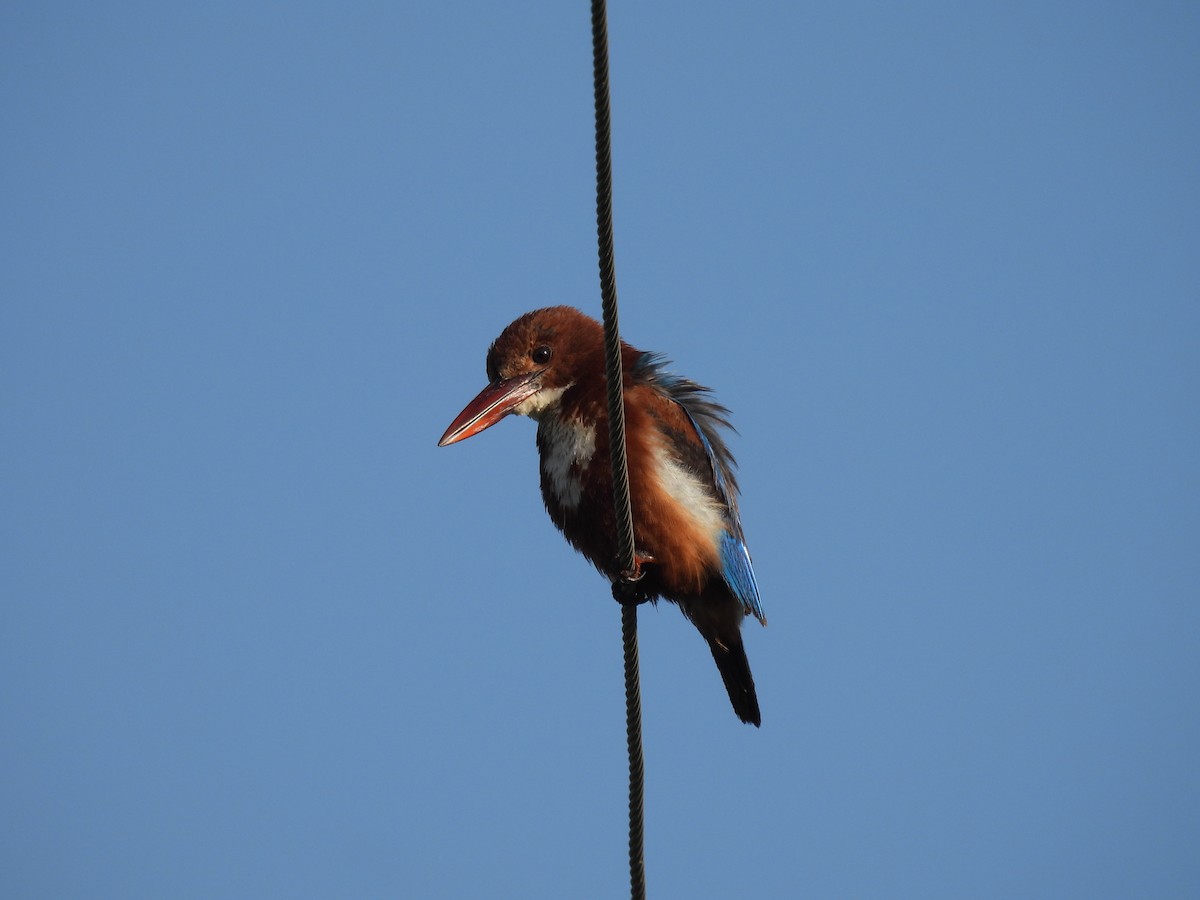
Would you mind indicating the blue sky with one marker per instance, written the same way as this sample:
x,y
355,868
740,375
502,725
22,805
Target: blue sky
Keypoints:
x,y
263,638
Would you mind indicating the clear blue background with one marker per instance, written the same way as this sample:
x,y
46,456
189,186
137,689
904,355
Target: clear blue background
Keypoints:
x,y
261,637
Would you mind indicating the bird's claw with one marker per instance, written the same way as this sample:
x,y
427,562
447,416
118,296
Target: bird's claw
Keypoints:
x,y
626,589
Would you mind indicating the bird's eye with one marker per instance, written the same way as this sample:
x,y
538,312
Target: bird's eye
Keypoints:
x,y
542,355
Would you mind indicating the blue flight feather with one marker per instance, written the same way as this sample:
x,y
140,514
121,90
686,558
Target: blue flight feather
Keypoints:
x,y
739,575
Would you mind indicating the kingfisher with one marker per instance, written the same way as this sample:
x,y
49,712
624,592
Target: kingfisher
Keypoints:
x,y
689,545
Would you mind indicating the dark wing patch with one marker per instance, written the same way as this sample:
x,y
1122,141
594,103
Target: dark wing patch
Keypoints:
x,y
707,415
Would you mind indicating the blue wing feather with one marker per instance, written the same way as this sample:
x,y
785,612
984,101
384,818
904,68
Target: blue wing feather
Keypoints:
x,y
739,575
706,416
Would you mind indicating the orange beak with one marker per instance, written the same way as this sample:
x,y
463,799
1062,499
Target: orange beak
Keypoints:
x,y
492,404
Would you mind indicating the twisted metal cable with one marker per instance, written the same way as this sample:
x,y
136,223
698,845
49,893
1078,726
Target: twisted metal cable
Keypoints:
x,y
608,290
633,743
622,587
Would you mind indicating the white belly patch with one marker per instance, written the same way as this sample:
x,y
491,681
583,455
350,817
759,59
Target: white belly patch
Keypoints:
x,y
693,497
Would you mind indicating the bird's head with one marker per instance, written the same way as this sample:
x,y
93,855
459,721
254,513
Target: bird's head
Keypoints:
x,y
533,362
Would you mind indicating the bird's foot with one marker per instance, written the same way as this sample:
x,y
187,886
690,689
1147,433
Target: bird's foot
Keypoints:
x,y
627,589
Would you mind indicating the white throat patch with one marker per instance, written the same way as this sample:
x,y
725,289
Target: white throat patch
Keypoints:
x,y
566,445
541,401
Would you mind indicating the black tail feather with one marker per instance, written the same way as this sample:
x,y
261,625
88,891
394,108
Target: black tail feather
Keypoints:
x,y
731,660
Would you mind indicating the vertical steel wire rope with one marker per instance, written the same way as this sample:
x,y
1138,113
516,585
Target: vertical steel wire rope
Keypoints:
x,y
616,433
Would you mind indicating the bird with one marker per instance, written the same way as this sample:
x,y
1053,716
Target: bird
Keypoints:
x,y
690,549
